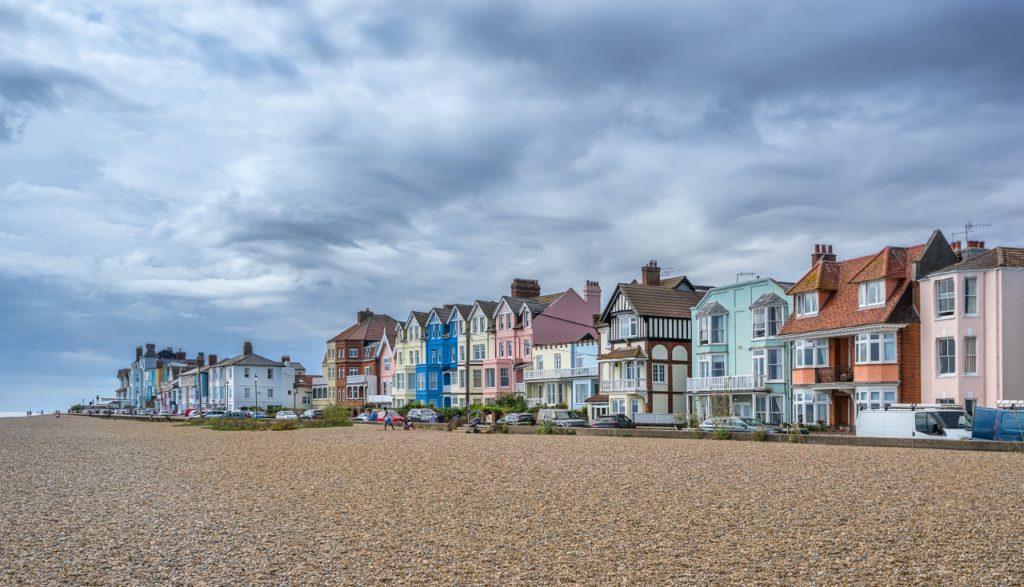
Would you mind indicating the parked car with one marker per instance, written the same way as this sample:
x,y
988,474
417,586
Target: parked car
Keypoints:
x,y
998,424
214,414
235,415
911,422
312,414
258,414
287,415
612,421
523,419
561,418
395,416
196,414
421,415
737,424
364,417
165,413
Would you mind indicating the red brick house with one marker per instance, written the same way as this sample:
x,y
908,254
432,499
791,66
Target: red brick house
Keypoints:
x,y
856,333
350,363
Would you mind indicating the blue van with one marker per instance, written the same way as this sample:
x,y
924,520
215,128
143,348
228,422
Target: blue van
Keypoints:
x,y
996,424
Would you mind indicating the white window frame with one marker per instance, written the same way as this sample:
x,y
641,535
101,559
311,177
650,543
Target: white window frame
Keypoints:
x,y
970,355
874,398
971,296
558,360
767,321
353,353
526,347
716,335
945,356
815,347
539,360
659,373
759,363
945,298
875,344
807,304
706,364
871,294
628,326
769,362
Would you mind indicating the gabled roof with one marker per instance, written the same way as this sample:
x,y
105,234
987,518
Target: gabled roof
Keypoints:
x,y
768,299
997,257
487,308
712,308
658,301
419,317
824,276
462,311
370,329
890,263
841,309
442,314
536,307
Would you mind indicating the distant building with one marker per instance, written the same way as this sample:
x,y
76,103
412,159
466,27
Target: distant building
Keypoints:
x,y
251,381
351,358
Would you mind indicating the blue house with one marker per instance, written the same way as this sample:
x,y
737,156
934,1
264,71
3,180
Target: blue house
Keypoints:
x,y
741,362
453,376
429,373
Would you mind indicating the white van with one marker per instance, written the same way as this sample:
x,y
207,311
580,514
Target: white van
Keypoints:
x,y
915,421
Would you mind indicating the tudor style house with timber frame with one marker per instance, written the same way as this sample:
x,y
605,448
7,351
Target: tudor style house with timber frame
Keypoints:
x,y
645,332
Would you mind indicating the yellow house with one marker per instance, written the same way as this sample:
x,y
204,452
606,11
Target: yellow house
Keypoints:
x,y
409,350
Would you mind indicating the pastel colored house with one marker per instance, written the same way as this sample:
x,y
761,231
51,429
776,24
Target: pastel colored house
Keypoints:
x,y
972,328
320,395
739,354
434,368
480,346
456,357
525,319
645,333
351,358
562,373
385,370
856,333
409,351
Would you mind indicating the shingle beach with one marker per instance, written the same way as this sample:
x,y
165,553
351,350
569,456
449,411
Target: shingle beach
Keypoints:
x,y
88,501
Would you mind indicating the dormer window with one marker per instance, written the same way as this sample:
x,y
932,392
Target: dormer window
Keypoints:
x,y
807,304
872,293
526,319
627,326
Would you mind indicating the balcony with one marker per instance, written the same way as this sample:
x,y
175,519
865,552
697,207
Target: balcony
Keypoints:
x,y
521,388
725,383
545,374
447,388
628,385
833,375
379,399
532,402
361,379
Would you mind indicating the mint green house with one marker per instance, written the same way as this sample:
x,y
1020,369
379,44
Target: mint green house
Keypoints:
x,y
738,353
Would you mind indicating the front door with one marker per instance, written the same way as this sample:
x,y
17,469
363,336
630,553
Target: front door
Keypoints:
x,y
841,402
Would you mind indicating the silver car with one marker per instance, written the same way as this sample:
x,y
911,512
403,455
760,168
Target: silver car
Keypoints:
x,y
737,424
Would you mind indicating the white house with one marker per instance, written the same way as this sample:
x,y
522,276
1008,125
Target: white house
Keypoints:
x,y
251,381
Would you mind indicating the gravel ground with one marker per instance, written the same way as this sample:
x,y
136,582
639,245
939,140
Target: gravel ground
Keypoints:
x,y
86,501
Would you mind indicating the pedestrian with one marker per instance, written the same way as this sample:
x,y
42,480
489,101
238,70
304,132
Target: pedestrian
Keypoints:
x,y
408,425
388,421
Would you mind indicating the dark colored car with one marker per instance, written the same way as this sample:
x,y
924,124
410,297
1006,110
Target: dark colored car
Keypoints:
x,y
612,421
523,419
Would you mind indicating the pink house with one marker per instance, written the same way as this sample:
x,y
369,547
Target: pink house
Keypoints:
x,y
972,328
525,319
386,369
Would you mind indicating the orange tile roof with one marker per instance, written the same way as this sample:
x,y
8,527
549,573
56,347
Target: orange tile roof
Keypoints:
x,y
370,329
841,308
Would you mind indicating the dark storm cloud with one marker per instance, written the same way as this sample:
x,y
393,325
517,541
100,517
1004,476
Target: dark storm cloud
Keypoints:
x,y
282,164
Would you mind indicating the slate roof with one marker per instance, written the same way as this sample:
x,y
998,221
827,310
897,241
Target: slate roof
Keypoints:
x,y
443,313
421,317
661,302
463,310
768,299
249,360
841,308
487,307
712,308
370,329
549,299
995,258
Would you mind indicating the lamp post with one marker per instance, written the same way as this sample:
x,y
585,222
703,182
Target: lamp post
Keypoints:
x,y
256,386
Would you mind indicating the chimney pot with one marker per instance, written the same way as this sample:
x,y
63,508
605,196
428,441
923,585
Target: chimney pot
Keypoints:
x,y
822,253
650,274
247,347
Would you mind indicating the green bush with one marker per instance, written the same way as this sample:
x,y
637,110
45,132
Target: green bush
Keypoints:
x,y
334,416
233,424
510,402
760,436
722,434
279,425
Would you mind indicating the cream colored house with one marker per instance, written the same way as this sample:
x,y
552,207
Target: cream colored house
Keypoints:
x,y
409,350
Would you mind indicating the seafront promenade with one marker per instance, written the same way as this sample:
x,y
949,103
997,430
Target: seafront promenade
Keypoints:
x,y
90,501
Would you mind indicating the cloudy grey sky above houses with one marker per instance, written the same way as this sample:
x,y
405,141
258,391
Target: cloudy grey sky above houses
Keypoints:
x,y
194,174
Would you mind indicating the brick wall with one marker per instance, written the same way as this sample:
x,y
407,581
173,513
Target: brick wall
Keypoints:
x,y
910,363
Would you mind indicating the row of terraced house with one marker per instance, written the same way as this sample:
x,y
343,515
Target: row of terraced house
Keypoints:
x,y
936,322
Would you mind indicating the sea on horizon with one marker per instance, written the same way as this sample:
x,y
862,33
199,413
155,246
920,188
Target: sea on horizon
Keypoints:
x,y
12,414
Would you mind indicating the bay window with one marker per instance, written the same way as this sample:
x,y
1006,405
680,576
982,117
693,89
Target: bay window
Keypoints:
x,y
875,398
811,353
876,347
811,407
945,298
767,321
627,326
946,354
712,329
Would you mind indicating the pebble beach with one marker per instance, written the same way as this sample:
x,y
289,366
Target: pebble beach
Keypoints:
x,y
87,501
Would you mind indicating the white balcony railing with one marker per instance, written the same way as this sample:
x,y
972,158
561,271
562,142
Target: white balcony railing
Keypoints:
x,y
379,399
533,402
521,388
447,388
726,383
358,379
634,385
543,374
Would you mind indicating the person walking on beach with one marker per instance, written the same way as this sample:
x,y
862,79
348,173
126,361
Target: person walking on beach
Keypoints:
x,y
388,421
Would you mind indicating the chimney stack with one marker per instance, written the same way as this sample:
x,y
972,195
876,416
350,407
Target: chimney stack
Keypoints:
x,y
525,288
180,355
822,253
286,360
213,360
247,347
973,249
955,245
650,274
138,353
592,293
362,315
200,359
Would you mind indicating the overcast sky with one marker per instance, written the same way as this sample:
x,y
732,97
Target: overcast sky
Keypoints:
x,y
193,174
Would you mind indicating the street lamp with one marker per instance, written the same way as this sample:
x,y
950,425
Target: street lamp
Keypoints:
x,y
256,386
